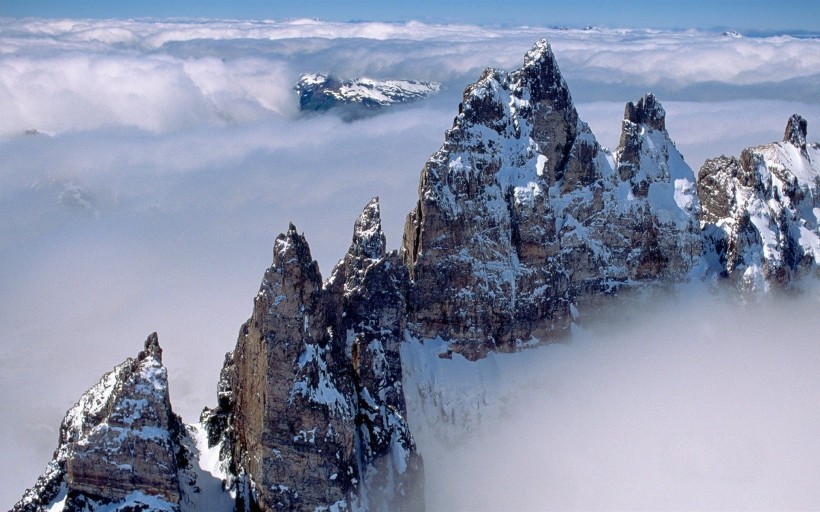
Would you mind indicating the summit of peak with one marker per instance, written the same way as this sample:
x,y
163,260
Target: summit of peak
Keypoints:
x,y
368,238
152,348
291,248
542,77
648,111
796,131
371,209
539,51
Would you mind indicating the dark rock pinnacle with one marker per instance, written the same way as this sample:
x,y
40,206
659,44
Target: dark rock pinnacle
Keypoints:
x,y
152,348
796,130
648,111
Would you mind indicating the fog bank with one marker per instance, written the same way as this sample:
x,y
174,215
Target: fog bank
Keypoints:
x,y
693,404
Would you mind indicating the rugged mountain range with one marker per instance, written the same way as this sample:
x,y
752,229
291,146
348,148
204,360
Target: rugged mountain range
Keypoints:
x,y
359,96
523,222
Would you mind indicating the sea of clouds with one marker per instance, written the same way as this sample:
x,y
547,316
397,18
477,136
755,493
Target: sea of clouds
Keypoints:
x,y
147,167
691,402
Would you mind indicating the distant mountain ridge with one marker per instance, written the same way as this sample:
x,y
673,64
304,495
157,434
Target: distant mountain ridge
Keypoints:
x,y
523,223
359,96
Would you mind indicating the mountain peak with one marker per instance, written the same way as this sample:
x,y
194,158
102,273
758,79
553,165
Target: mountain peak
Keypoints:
x,y
361,96
152,348
541,76
796,131
127,413
368,237
540,52
291,248
648,112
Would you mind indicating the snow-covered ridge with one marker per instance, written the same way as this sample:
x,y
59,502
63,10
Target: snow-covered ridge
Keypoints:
x,y
323,92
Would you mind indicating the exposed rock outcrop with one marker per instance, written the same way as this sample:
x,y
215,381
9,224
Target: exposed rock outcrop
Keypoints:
x,y
796,131
521,213
760,212
373,287
310,401
120,446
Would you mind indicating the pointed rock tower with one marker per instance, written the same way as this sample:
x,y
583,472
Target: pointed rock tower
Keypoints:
x,y
311,410
373,285
656,208
120,447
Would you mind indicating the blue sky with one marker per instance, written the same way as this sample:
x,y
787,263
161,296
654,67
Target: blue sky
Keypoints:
x,y
746,15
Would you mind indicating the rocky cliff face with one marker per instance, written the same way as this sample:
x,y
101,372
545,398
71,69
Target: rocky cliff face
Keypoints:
x,y
761,211
120,447
311,409
521,213
372,285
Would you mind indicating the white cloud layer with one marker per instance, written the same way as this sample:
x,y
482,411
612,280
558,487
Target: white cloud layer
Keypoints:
x,y
66,75
172,153
695,403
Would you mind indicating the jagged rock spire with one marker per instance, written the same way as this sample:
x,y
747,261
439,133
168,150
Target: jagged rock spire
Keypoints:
x,y
796,131
368,238
290,245
645,115
541,76
152,348
284,414
297,394
120,443
648,112
369,288
553,118
291,250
